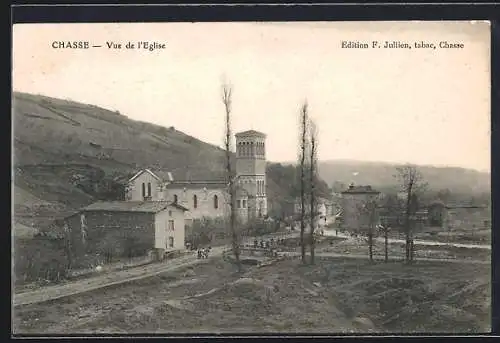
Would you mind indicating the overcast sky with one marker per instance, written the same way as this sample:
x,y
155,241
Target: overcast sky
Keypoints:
x,y
394,105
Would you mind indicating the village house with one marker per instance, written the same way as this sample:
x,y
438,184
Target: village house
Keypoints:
x,y
430,217
356,214
127,227
210,198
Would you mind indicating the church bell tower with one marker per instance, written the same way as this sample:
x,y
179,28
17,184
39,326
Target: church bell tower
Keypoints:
x,y
251,170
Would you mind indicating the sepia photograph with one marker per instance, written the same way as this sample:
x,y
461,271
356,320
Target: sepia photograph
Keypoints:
x,y
251,178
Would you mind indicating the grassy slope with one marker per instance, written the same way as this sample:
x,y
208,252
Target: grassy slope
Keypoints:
x,y
57,140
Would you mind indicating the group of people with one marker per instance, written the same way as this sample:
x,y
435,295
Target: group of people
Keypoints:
x,y
268,244
203,253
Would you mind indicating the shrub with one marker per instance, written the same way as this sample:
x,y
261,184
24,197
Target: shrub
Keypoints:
x,y
40,258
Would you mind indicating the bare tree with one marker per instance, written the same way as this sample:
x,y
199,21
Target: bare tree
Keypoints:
x,y
302,163
411,182
372,208
386,229
368,212
67,246
389,219
313,162
227,101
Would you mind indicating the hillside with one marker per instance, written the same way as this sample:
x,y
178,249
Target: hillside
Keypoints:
x,y
69,154
381,175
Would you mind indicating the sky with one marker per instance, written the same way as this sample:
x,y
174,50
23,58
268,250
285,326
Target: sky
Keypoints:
x,y
423,106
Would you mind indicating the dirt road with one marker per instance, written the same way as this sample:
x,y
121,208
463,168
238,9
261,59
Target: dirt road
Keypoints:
x,y
113,278
108,279
123,276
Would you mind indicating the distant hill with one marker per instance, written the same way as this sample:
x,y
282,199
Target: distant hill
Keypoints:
x,y
68,154
381,175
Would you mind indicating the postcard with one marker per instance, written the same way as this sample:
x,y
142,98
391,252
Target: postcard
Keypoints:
x,y
251,177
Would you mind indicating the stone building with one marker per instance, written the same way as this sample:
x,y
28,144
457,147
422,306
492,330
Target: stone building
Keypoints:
x,y
210,198
118,227
356,213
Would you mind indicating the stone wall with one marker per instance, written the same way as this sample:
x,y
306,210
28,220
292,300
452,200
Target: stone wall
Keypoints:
x,y
116,233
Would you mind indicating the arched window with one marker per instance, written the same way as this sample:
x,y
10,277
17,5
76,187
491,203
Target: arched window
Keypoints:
x,y
143,189
149,189
175,198
216,201
195,201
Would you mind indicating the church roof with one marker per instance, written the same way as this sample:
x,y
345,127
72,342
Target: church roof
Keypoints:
x,y
250,133
163,175
132,206
208,184
360,190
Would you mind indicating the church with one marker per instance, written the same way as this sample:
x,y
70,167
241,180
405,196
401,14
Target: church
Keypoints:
x,y
210,198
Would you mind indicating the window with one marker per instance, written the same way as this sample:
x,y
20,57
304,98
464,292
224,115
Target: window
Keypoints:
x,y
238,203
171,226
149,189
171,242
170,213
175,198
195,201
216,201
244,204
143,189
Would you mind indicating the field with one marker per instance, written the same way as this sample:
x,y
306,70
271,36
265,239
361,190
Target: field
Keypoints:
x,y
334,295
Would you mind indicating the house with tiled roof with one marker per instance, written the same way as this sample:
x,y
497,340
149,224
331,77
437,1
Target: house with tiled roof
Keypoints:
x,y
127,227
